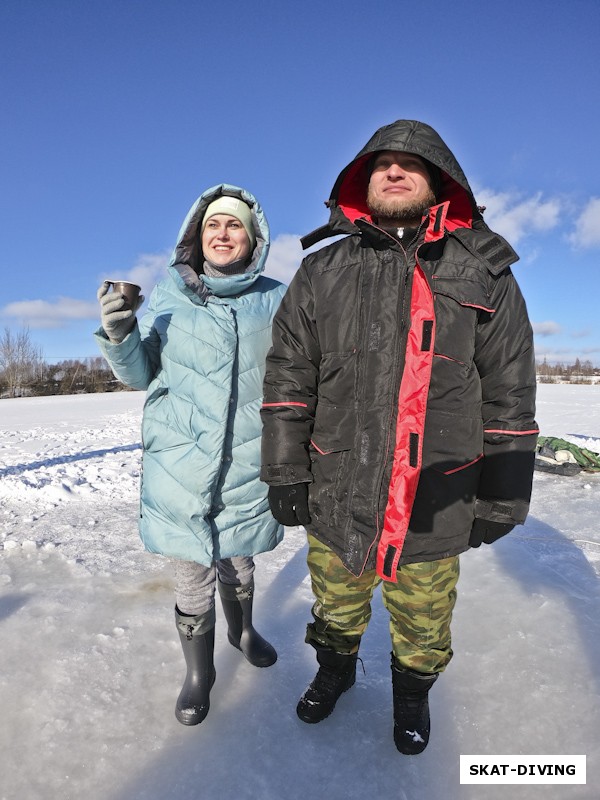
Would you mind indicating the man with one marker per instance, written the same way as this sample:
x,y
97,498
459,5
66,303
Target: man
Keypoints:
x,y
398,412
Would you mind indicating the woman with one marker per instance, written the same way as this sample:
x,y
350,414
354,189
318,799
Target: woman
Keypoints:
x,y
200,352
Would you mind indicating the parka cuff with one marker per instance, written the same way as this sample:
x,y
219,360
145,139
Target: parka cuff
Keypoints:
x,y
507,511
118,352
284,474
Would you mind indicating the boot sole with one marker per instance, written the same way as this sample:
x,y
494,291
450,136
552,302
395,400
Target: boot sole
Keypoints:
x,y
188,720
410,751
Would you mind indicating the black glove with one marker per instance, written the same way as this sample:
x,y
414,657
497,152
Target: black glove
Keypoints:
x,y
289,503
484,530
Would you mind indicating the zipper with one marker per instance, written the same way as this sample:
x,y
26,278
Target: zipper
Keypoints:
x,y
401,338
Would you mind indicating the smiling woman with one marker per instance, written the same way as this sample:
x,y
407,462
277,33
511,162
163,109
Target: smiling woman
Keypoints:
x,y
200,352
224,240
228,236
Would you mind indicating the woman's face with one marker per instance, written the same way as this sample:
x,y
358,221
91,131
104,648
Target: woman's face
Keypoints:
x,y
224,240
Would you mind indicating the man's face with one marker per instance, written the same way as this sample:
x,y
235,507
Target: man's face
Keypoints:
x,y
399,187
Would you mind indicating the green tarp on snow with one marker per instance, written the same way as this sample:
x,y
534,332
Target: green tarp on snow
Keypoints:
x,y
564,458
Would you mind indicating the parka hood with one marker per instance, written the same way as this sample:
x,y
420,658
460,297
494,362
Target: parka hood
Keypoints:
x,y
187,259
348,199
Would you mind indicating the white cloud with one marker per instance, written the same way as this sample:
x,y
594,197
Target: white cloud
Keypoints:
x,y
43,314
58,313
548,328
531,255
146,272
581,334
515,217
286,253
587,226
284,257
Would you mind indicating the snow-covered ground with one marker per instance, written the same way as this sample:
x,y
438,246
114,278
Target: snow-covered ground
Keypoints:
x,y
90,662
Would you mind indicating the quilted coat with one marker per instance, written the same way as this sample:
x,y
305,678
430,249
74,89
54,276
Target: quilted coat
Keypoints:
x,y
199,350
401,382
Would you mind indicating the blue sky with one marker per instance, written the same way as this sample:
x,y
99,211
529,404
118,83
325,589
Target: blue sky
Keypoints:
x,y
118,114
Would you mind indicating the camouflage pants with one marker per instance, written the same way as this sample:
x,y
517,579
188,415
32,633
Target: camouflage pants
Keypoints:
x,y
420,606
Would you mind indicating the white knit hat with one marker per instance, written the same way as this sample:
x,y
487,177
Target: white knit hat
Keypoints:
x,y
234,207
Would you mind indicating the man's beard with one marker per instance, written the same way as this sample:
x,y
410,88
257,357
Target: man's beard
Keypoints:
x,y
399,210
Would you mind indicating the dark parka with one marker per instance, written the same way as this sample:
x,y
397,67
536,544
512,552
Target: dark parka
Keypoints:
x,y
401,381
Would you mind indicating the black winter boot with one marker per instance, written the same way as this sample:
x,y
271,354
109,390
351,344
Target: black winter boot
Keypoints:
x,y
197,635
337,673
411,708
237,605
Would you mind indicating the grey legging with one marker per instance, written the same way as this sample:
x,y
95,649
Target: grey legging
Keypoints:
x,y
195,584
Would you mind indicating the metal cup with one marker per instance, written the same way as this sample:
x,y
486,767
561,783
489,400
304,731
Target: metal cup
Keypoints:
x,y
130,291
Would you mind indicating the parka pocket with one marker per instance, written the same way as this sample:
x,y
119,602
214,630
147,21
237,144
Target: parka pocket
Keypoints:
x,y
337,375
153,412
449,480
330,451
452,442
334,428
464,291
452,469
459,303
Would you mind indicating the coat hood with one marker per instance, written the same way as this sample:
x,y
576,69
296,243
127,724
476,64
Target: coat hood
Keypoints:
x,y
187,259
348,199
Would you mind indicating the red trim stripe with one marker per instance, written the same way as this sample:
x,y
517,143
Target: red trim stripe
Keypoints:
x,y
464,466
410,423
481,308
268,405
318,449
513,433
448,358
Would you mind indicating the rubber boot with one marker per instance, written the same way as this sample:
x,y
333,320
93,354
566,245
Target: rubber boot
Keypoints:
x,y
237,605
337,673
197,635
411,708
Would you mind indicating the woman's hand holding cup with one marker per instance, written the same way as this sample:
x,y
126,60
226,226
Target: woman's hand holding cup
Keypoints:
x,y
118,308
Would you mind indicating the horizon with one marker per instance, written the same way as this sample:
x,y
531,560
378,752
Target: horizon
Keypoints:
x,y
538,362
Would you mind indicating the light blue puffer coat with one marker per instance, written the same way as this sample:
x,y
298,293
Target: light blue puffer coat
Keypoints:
x,y
200,352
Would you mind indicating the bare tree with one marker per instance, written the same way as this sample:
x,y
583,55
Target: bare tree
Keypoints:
x,y
21,362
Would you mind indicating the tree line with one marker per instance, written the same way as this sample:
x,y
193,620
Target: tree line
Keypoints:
x,y
578,370
24,372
